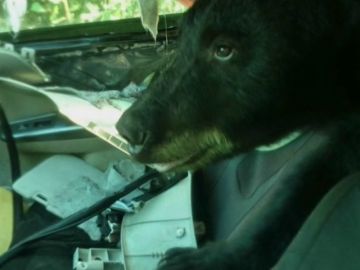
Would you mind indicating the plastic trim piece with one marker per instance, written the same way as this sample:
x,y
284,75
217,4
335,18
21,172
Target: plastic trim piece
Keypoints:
x,y
22,66
45,127
97,259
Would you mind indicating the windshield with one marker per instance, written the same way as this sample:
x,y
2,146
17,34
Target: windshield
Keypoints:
x,y
49,13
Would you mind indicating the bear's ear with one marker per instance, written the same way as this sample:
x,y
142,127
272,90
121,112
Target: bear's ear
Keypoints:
x,y
187,3
348,40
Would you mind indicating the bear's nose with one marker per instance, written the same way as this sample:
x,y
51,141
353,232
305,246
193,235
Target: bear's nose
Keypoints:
x,y
131,128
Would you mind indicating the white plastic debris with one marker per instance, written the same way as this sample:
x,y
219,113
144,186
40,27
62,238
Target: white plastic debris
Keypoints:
x,y
150,15
15,10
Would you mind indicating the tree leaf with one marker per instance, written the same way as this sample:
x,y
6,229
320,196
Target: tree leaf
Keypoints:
x,y
37,8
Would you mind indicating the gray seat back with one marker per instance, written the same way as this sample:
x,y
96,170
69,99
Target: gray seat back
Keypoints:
x,y
330,238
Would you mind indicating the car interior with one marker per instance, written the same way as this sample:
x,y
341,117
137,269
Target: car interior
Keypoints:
x,y
110,55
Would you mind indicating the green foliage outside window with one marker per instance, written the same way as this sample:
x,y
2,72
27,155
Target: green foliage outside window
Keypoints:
x,y
45,13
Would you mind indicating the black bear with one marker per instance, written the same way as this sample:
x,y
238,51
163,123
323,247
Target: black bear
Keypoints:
x,y
247,73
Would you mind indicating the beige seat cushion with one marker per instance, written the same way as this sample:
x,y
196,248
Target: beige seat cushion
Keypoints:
x,y
6,219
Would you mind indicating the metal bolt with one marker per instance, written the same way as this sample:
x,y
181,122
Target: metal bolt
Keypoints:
x,y
81,266
180,232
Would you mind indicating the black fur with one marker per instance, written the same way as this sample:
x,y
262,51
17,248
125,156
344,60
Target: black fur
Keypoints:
x,y
295,65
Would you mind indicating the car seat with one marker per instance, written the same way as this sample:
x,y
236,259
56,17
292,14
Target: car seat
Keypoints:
x,y
232,188
330,238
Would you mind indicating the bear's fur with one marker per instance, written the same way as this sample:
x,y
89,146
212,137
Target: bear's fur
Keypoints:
x,y
247,73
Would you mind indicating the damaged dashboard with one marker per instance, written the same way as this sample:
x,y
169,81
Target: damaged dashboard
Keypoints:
x,y
98,56
95,58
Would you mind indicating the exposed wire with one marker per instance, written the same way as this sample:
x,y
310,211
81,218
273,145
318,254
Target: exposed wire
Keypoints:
x,y
76,218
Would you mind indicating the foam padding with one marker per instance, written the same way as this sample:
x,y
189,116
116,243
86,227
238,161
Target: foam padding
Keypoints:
x,y
6,219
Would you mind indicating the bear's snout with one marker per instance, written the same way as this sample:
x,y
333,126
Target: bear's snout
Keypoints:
x,y
133,129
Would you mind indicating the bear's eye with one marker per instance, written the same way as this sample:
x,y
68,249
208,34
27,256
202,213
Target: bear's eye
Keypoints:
x,y
223,52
